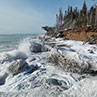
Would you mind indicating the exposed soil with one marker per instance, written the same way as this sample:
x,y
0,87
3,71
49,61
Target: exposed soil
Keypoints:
x,y
80,33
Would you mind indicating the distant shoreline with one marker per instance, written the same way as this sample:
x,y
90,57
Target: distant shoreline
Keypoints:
x,y
22,33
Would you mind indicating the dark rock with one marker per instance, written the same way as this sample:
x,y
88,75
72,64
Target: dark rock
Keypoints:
x,y
52,81
50,31
3,78
93,73
91,39
33,68
64,45
82,77
57,84
37,47
60,35
17,67
90,51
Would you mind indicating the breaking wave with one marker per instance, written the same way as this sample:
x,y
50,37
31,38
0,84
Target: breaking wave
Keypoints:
x,y
22,51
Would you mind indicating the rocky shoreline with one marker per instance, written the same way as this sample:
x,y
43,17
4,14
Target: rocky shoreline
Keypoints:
x,y
55,68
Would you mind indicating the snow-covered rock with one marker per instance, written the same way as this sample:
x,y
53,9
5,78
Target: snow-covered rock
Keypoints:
x,y
42,73
68,65
17,66
37,47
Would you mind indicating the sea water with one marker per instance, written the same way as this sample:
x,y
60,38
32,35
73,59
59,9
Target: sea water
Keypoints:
x,y
15,46
10,42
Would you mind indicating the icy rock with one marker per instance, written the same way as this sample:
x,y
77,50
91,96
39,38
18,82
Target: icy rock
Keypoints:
x,y
91,39
56,84
68,65
38,47
91,51
17,67
32,69
3,78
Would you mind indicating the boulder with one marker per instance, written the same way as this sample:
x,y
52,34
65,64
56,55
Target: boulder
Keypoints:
x,y
17,66
55,84
50,31
3,78
38,47
69,65
91,39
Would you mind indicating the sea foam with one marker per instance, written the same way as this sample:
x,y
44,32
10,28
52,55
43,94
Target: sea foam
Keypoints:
x,y
22,52
25,48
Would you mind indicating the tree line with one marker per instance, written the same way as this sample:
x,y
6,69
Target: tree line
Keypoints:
x,y
74,17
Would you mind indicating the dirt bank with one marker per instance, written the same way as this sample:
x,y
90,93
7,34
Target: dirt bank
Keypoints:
x,y
80,33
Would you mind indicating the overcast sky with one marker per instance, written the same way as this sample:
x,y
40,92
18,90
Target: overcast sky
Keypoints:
x,y
28,16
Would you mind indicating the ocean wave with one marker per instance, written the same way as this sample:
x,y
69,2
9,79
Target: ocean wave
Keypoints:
x,y
22,52
25,48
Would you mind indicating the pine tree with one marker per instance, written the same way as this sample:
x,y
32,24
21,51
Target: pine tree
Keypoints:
x,y
84,9
83,14
71,13
92,16
60,16
57,19
96,16
75,13
65,17
75,17
57,23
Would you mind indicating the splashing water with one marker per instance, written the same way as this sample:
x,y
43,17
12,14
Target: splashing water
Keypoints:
x,y
21,49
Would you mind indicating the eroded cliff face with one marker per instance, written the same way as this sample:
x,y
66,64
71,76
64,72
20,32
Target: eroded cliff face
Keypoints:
x,y
86,34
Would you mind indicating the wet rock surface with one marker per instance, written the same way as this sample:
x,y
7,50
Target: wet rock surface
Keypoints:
x,y
38,47
58,85
68,65
17,66
3,78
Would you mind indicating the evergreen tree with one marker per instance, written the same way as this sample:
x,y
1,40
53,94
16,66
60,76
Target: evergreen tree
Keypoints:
x,y
84,9
60,16
57,19
65,17
75,13
71,13
92,15
83,14
73,17
57,23
96,16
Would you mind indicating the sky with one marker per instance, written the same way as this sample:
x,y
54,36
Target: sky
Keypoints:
x,y
28,16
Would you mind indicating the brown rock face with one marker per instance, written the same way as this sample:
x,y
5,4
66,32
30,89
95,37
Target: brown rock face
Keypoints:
x,y
80,34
